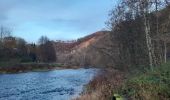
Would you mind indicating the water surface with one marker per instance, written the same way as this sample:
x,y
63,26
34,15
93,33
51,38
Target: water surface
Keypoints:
x,y
52,85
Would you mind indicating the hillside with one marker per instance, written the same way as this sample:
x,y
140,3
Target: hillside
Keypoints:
x,y
81,43
85,51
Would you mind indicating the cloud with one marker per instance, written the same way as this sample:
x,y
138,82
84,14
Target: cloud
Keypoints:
x,y
3,14
55,18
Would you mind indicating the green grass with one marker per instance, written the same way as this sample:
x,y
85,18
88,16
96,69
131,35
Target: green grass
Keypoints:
x,y
8,62
56,65
151,85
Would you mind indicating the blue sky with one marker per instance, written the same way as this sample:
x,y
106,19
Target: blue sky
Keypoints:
x,y
57,19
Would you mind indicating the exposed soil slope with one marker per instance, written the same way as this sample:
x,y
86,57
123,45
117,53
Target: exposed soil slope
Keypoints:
x,y
91,50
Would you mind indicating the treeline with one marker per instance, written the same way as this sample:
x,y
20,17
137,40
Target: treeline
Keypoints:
x,y
141,28
17,50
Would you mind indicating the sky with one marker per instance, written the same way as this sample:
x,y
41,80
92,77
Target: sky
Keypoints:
x,y
56,19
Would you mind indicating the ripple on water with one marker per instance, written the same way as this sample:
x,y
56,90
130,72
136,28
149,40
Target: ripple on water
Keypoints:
x,y
52,85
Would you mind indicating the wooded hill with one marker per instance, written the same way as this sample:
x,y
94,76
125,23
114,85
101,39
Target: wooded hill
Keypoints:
x,y
125,45
86,51
140,29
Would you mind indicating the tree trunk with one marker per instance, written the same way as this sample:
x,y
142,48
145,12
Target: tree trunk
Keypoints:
x,y
165,51
151,53
1,34
148,42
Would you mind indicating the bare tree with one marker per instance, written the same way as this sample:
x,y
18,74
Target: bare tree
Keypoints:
x,y
167,2
123,20
46,50
43,40
144,5
4,32
21,46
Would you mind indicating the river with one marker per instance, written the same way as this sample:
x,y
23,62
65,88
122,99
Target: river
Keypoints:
x,y
52,85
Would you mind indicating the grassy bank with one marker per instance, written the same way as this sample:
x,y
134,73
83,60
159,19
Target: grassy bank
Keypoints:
x,y
152,85
148,85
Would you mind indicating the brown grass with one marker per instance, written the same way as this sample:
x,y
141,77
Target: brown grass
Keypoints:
x,y
103,86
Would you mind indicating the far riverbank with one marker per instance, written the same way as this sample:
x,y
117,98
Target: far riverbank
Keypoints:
x,y
33,67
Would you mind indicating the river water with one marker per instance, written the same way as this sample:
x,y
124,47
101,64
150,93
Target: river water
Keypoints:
x,y
53,85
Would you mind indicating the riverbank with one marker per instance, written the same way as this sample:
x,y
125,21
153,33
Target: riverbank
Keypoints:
x,y
103,85
141,85
32,67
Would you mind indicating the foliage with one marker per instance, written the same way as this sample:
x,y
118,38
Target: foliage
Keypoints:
x,y
152,85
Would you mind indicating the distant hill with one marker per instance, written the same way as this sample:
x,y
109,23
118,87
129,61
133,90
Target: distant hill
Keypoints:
x,y
67,46
86,50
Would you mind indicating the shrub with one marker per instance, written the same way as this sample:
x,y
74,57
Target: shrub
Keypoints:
x,y
152,85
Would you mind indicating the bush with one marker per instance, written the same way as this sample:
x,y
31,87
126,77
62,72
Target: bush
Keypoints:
x,y
26,59
152,85
103,86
